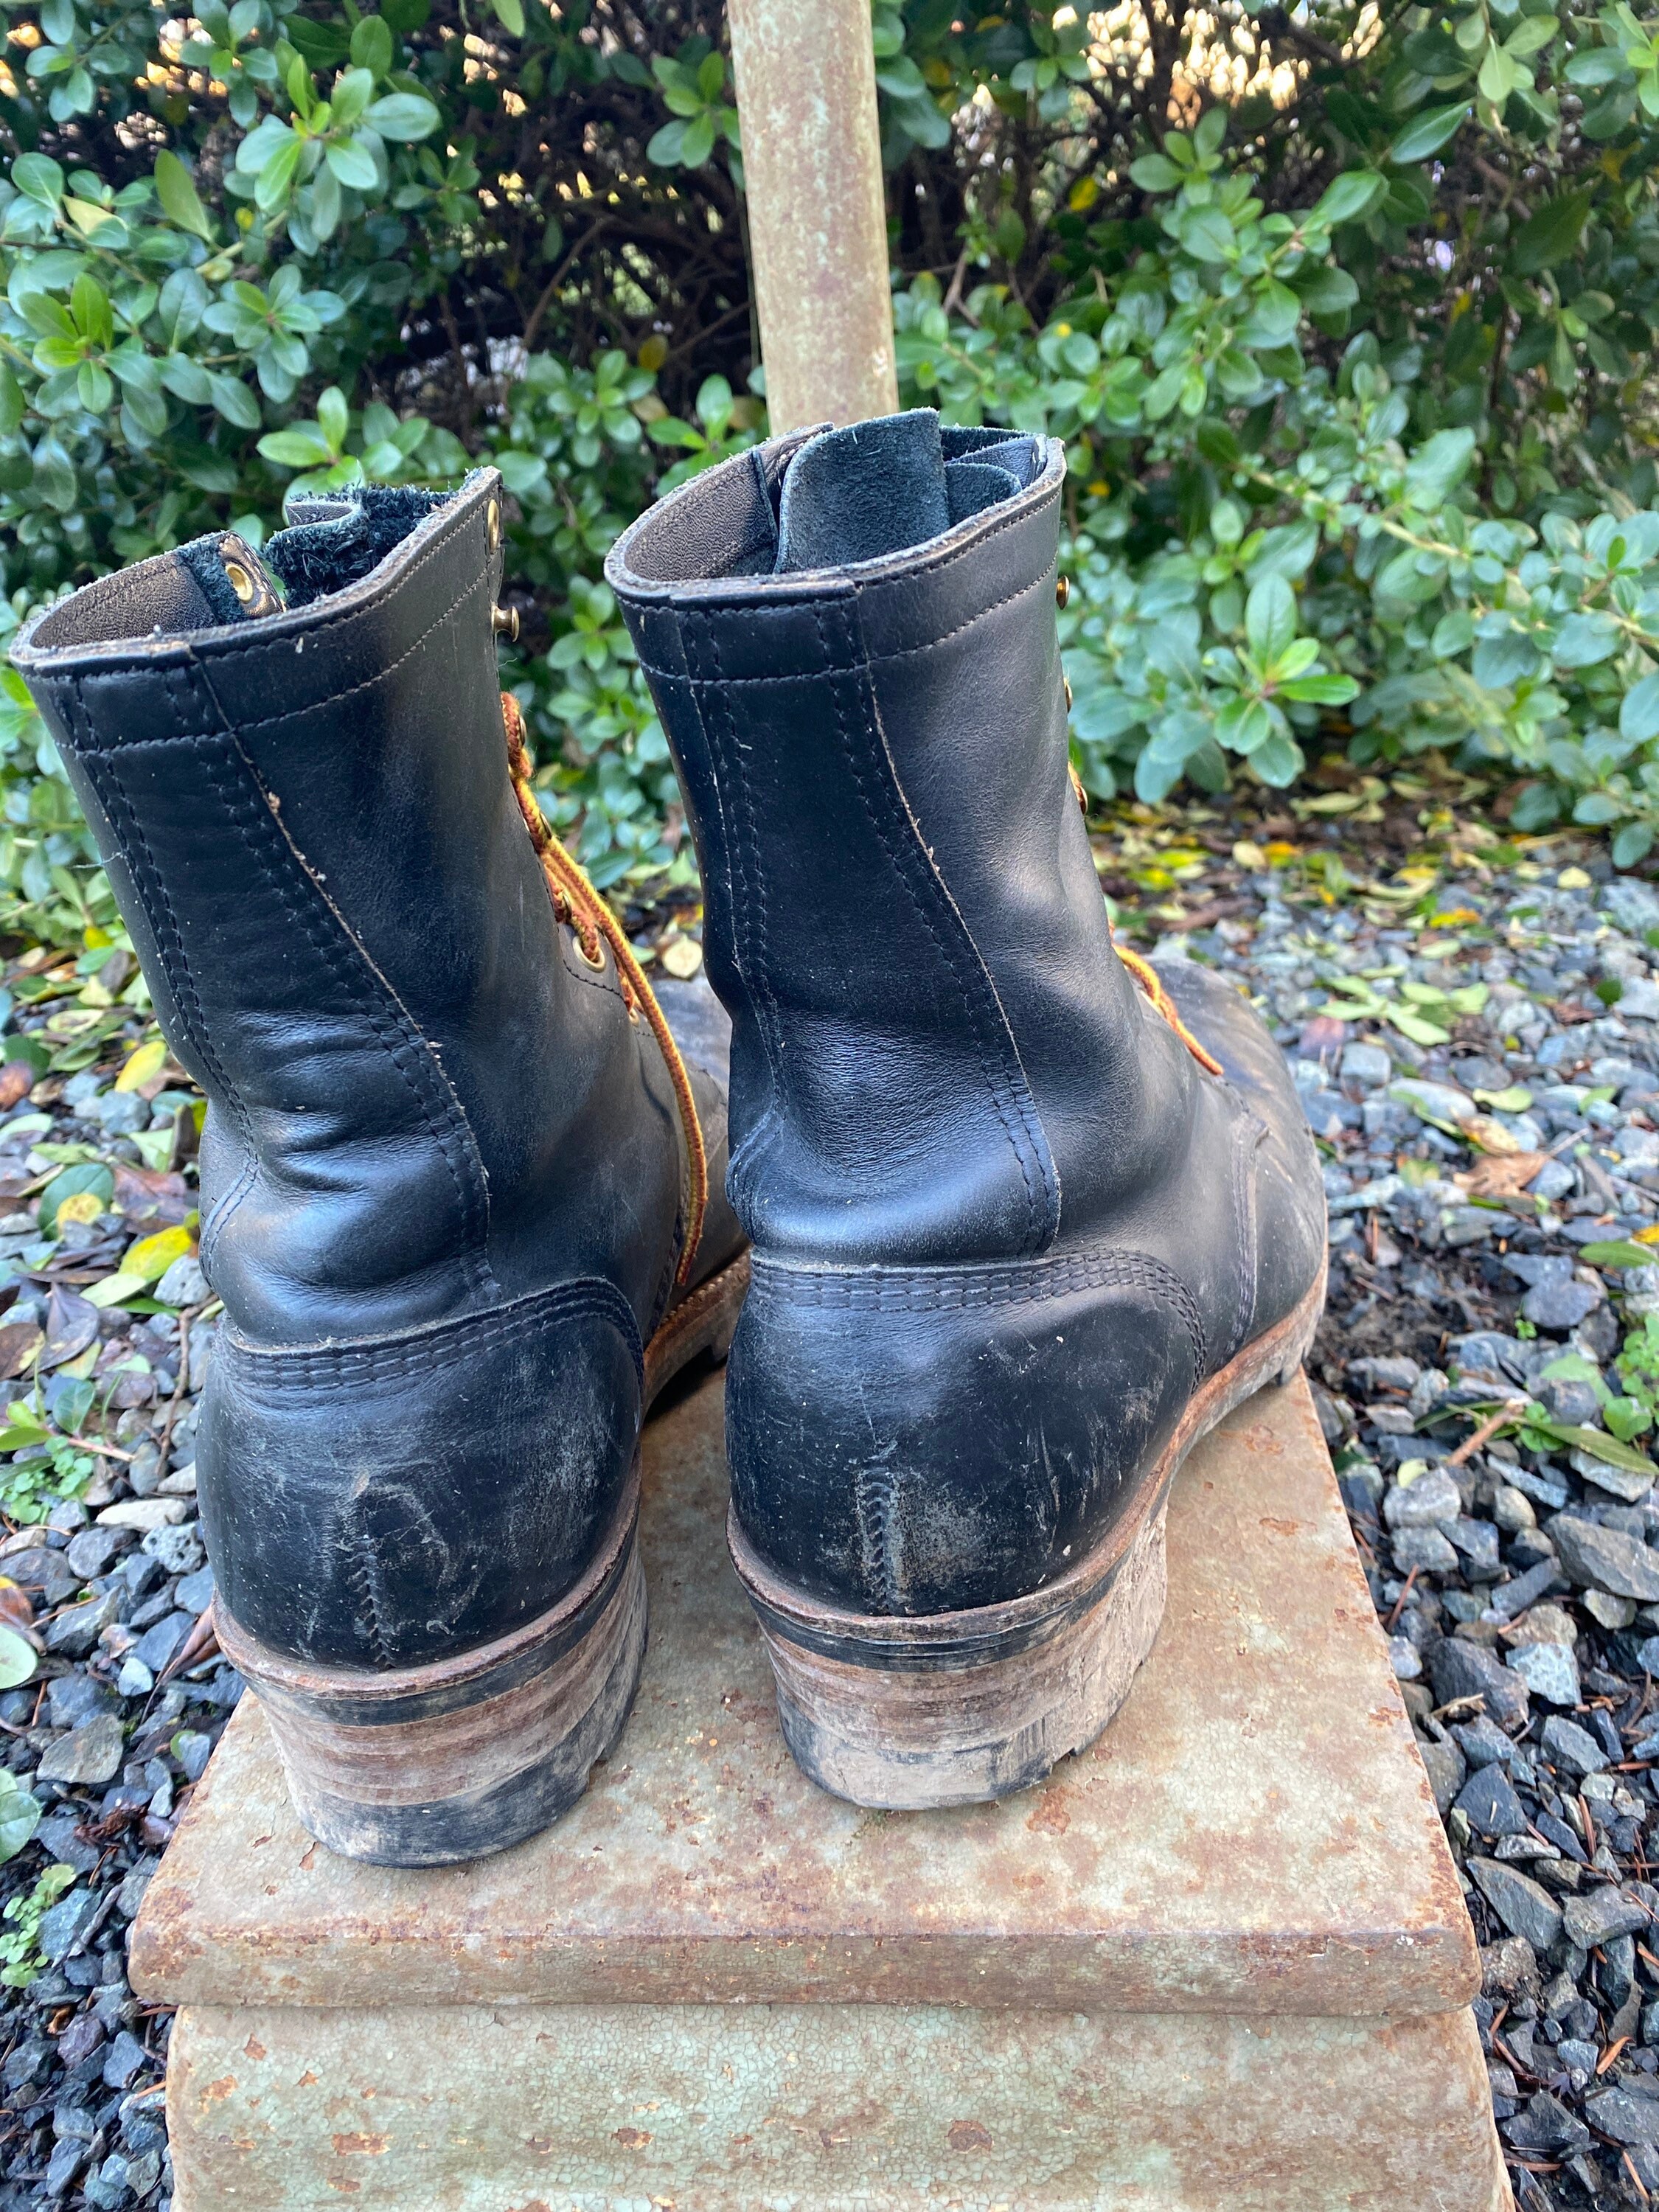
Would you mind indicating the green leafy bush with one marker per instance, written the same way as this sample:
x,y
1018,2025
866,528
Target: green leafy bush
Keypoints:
x,y
1353,367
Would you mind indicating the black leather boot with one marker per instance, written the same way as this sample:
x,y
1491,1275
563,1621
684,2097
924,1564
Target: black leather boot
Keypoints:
x,y
452,1171
1026,1224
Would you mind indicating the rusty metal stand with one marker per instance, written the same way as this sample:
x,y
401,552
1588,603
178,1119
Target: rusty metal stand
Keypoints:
x,y
1222,1960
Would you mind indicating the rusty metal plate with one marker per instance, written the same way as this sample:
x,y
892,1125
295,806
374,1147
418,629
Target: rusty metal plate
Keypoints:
x,y
1255,1833
846,2108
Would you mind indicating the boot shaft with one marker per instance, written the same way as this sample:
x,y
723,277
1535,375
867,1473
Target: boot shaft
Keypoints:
x,y
423,1098
902,907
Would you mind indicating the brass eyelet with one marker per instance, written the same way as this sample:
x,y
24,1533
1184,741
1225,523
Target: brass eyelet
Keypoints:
x,y
593,960
240,582
493,524
1063,590
1066,681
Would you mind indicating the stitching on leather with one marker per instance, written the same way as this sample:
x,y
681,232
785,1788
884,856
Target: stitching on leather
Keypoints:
x,y
750,915
971,982
314,706
1246,1125
441,542
648,593
445,1121
947,1289
348,1365
101,769
876,659
875,1504
360,1580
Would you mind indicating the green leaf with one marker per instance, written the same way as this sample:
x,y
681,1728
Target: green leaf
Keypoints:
x,y
176,190
1428,134
38,179
1595,1442
1325,689
20,1813
402,115
1638,717
1349,197
303,446
698,142
18,1661
1619,1252
1155,172
1552,235
1437,468
1270,619
372,47
90,1176
511,13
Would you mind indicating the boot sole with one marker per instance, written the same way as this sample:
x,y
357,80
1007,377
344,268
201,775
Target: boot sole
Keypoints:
x,y
904,1715
455,1760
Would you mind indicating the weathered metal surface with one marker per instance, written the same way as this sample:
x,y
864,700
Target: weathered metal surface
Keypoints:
x,y
1254,1833
828,2108
817,225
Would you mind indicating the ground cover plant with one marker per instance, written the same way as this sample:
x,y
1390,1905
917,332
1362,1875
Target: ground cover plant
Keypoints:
x,y
1345,314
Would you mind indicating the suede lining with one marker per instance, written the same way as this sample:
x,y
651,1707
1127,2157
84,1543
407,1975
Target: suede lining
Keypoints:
x,y
336,540
886,486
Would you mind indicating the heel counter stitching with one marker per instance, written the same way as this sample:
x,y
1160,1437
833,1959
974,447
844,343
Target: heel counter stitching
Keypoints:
x,y
102,770
750,914
907,857
348,1365
241,792
947,1289
875,1508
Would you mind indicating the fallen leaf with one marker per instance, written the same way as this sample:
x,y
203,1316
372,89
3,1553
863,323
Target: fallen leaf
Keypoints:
x,y
18,1658
1501,1176
71,1326
19,1342
151,1256
151,1195
144,1069
1492,1137
16,1607
16,1081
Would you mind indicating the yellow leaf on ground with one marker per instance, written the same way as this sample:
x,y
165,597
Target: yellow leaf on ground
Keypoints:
x,y
143,1065
151,1256
80,1205
1492,1136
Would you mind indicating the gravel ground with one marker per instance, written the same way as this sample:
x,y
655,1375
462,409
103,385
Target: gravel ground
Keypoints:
x,y
1474,1027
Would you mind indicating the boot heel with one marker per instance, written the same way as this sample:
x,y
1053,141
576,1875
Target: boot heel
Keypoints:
x,y
955,1709
428,1765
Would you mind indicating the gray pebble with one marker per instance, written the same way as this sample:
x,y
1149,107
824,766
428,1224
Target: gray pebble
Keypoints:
x,y
1549,1671
89,1753
1519,1903
1564,1744
1605,1559
1458,1669
1489,1804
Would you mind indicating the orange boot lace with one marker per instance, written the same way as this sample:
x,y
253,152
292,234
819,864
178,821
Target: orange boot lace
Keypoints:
x,y
580,907
1148,977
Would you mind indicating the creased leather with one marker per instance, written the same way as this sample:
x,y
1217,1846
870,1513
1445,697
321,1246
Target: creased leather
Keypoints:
x,y
425,1107
1004,1225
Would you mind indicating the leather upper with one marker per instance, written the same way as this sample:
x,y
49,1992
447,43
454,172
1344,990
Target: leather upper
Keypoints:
x,y
426,1108
1003,1223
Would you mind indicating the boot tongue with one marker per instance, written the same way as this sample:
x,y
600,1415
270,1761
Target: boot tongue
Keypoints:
x,y
232,578
882,487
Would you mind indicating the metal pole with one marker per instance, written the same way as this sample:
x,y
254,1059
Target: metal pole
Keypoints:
x,y
817,223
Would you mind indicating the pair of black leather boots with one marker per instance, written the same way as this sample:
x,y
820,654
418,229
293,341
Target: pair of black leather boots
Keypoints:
x,y
1019,1218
